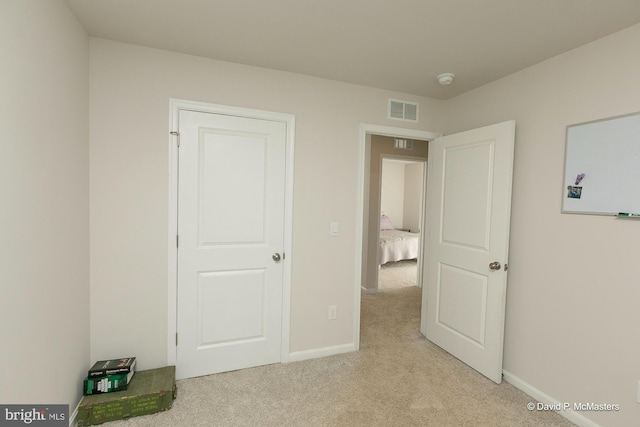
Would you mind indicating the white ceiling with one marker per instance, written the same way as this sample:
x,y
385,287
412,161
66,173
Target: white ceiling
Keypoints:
x,y
400,45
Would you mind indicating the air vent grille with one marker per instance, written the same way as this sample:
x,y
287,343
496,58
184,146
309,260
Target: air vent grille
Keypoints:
x,y
403,110
405,144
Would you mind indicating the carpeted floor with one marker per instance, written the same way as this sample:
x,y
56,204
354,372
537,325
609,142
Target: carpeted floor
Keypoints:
x,y
398,378
394,275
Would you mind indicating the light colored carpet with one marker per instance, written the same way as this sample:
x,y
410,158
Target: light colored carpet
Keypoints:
x,y
394,275
398,378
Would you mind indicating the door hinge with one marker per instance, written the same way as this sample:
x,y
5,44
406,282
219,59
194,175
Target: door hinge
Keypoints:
x,y
177,240
176,339
177,134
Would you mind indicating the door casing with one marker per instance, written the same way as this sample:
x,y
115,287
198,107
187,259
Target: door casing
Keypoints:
x,y
175,106
364,146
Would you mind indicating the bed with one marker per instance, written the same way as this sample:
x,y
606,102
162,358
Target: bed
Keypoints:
x,y
396,245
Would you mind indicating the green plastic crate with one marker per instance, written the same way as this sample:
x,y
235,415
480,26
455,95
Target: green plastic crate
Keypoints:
x,y
149,392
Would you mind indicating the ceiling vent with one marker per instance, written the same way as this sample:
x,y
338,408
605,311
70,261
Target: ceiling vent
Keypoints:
x,y
403,110
405,144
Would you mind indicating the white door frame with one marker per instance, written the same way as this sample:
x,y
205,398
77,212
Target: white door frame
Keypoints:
x,y
364,147
175,105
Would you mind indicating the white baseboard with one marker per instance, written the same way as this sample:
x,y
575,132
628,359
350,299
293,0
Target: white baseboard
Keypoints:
x,y
368,291
573,416
73,421
297,356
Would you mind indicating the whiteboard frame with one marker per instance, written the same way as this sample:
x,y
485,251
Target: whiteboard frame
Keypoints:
x,y
628,146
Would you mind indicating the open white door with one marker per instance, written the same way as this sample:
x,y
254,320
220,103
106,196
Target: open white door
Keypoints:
x,y
468,212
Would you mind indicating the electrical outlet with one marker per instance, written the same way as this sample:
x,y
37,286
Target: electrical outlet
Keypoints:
x,y
333,312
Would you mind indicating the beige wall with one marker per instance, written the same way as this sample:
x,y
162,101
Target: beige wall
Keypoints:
x,y
573,297
44,118
130,91
572,310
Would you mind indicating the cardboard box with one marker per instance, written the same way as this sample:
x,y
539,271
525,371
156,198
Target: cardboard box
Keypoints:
x,y
149,392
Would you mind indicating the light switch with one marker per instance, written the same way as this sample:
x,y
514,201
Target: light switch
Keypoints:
x,y
334,229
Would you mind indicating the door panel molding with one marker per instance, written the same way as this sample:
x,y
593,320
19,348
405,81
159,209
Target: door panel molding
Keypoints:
x,y
175,106
464,302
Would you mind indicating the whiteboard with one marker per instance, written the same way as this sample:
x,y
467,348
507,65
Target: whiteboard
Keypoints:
x,y
602,167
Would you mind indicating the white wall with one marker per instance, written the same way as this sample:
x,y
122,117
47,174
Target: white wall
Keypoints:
x,y
130,91
44,118
402,193
392,191
414,193
574,288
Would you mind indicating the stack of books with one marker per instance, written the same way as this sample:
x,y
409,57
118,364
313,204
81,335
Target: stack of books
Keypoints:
x,y
106,376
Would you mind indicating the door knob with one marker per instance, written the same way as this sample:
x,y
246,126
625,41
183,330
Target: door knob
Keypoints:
x,y
495,265
276,257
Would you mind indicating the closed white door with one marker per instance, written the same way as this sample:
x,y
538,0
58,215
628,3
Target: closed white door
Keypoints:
x,y
231,188
469,208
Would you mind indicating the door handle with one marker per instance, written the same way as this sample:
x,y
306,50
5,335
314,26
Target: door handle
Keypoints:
x,y
495,265
276,257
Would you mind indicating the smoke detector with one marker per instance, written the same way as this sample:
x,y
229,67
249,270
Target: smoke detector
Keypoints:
x,y
445,78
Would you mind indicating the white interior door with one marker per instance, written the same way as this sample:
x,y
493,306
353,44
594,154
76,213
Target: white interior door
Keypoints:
x,y
231,190
469,205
